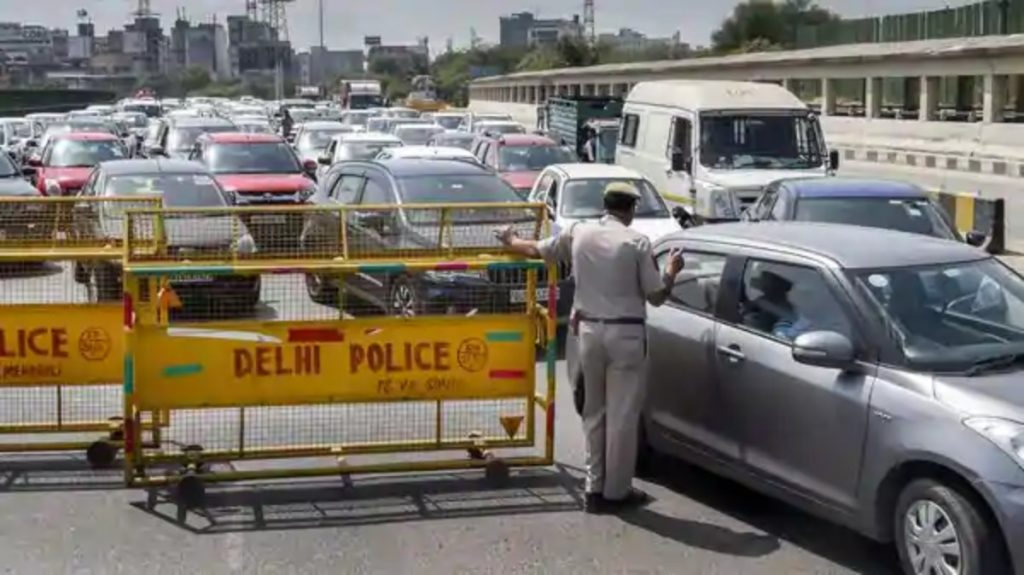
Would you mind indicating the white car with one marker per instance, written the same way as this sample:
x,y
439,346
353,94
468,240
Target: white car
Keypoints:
x,y
575,193
416,134
401,113
355,146
449,120
498,127
471,120
427,152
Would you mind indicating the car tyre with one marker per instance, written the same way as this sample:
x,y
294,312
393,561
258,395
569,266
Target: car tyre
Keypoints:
x,y
81,273
404,300
936,523
320,290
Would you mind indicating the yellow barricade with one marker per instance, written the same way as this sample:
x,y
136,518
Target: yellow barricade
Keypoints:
x,y
61,337
334,341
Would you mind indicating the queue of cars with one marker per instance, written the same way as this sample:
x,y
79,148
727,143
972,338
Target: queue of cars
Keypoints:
x,y
841,347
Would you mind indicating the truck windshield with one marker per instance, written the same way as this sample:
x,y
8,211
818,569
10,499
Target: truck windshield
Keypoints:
x,y
760,141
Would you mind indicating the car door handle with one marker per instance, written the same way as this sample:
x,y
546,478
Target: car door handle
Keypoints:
x,y
732,352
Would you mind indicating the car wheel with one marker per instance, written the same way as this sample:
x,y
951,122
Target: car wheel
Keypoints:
x,y
106,283
403,299
938,530
320,290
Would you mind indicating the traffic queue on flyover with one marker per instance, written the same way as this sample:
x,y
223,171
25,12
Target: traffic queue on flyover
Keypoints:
x,y
834,342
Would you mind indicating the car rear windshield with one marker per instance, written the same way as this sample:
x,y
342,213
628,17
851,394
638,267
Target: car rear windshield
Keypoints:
x,y
585,199
364,150
461,188
183,138
416,135
150,110
448,122
317,140
914,215
532,158
84,153
178,190
261,158
456,140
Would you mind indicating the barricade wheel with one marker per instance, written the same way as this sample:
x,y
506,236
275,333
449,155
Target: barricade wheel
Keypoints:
x,y
101,454
496,471
403,299
191,490
320,290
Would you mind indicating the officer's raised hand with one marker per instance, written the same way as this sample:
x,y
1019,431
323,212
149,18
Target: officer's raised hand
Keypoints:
x,y
675,263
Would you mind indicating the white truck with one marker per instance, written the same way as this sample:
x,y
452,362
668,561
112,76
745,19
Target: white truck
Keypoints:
x,y
361,94
710,147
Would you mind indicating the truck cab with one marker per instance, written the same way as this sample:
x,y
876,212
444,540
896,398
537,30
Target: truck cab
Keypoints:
x,y
710,147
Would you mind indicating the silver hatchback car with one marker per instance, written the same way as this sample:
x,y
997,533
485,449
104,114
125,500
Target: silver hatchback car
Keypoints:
x,y
874,378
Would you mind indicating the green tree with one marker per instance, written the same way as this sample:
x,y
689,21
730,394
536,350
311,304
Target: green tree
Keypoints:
x,y
764,24
195,78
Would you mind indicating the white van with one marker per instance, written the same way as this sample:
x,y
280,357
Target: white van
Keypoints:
x,y
711,146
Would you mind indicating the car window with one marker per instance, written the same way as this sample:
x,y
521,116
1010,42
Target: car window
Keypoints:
x,y
696,287
375,194
785,300
347,189
779,207
913,215
542,187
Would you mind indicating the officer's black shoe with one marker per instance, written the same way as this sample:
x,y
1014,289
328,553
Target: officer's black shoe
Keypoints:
x,y
593,503
635,498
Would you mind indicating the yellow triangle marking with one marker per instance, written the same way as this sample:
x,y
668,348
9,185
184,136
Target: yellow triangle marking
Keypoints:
x,y
511,424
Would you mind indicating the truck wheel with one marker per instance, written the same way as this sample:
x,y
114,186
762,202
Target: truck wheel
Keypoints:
x,y
940,530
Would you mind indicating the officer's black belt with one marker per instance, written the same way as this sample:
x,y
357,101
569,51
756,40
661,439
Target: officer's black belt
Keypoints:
x,y
615,320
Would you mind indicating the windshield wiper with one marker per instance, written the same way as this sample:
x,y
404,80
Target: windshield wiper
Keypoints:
x,y
994,363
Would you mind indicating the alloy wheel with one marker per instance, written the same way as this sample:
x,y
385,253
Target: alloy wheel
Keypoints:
x,y
931,540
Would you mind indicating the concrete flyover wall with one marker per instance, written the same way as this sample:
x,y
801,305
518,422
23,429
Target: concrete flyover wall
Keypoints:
x,y
970,147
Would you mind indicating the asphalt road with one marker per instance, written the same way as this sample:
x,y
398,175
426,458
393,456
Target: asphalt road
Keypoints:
x,y
61,517
989,186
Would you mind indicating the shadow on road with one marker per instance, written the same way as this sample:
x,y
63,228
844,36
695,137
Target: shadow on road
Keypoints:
x,y
41,474
779,522
370,501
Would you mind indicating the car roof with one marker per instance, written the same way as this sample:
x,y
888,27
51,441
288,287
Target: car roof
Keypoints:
x,y
407,151
198,122
431,167
580,171
714,95
838,187
242,138
450,135
86,136
524,140
153,166
322,125
852,247
362,137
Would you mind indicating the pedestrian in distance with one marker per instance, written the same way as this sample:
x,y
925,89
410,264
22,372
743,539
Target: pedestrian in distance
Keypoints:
x,y
615,276
287,123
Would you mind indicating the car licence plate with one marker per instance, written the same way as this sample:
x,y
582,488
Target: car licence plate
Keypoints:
x,y
519,295
273,219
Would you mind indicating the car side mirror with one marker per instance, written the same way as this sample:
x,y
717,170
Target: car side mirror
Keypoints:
x,y
826,349
833,160
29,172
310,167
324,160
681,162
976,238
231,197
35,162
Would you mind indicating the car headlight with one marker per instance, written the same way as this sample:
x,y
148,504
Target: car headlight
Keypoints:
x,y
245,244
52,187
306,193
1006,434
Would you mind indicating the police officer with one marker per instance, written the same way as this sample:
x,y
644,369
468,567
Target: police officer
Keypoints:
x,y
615,275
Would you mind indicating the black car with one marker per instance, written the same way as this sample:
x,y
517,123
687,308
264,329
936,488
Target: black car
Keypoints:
x,y
207,237
177,136
21,220
406,234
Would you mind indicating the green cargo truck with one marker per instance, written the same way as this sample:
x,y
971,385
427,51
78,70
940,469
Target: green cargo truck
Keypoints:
x,y
573,121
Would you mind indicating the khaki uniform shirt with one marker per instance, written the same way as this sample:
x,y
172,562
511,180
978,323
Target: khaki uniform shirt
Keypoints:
x,y
613,268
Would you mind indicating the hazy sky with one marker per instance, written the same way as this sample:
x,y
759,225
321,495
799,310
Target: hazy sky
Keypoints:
x,y
401,21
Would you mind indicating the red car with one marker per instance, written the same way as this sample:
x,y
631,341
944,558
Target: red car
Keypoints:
x,y
519,158
67,160
256,169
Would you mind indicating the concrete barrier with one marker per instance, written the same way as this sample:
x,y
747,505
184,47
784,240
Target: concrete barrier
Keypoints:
x,y
971,213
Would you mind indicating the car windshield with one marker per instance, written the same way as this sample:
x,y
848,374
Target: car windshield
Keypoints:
x,y
84,153
356,119
150,110
448,122
585,199
765,141
258,158
314,141
464,141
379,124
532,158
460,188
178,190
914,215
182,139
363,150
416,135
951,317
134,120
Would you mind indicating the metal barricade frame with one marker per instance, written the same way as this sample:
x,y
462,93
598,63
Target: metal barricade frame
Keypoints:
x,y
261,364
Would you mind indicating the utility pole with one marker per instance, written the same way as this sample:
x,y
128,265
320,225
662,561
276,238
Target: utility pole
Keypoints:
x,y
322,45
589,30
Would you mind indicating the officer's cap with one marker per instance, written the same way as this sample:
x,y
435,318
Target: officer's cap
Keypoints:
x,y
623,188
